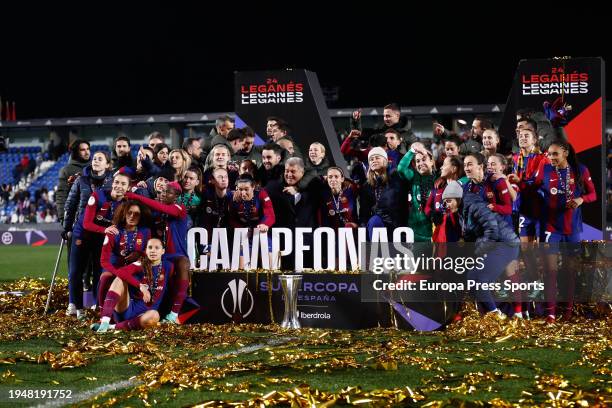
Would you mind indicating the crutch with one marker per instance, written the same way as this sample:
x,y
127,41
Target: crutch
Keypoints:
x,y
59,256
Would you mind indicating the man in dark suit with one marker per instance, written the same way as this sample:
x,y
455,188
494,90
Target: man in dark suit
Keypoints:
x,y
295,207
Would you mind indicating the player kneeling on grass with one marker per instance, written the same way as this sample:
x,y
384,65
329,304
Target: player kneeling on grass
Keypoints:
x,y
136,294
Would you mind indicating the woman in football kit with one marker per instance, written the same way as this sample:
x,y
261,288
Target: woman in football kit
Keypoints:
x,y
136,294
339,201
506,194
452,169
338,205
565,185
125,247
251,208
89,232
170,226
496,167
525,165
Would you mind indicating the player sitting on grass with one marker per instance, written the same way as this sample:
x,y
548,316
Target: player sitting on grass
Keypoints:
x,y
171,227
136,294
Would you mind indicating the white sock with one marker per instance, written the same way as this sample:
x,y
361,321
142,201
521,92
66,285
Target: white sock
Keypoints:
x,y
551,316
518,315
105,319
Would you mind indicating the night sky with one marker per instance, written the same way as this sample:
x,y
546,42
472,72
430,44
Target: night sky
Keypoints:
x,y
153,60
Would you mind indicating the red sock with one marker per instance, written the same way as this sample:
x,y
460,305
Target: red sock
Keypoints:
x,y
106,280
516,295
132,324
112,298
179,295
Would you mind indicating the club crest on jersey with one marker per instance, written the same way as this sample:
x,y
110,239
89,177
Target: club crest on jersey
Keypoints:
x,y
332,212
91,201
489,194
553,191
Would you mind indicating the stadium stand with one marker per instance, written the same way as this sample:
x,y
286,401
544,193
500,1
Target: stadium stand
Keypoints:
x,y
29,198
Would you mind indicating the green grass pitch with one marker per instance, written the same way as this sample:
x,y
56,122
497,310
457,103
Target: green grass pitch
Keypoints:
x,y
188,365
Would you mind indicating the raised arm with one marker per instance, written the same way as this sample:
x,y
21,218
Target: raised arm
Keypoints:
x,y
174,210
403,166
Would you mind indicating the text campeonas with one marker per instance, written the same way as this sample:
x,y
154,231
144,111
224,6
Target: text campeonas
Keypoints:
x,y
286,242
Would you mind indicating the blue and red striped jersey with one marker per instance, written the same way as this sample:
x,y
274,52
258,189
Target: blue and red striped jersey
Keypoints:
x,y
251,213
172,221
558,187
117,247
339,210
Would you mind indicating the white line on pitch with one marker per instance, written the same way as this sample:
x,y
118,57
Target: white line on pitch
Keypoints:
x,y
85,395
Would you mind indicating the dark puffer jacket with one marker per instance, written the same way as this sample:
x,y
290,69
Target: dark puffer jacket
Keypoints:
x,y
482,225
66,179
320,169
79,194
391,205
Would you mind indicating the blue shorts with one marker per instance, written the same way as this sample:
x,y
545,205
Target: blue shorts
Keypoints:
x,y
135,308
566,243
528,227
555,237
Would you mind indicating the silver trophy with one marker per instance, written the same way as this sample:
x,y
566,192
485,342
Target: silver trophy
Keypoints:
x,y
291,284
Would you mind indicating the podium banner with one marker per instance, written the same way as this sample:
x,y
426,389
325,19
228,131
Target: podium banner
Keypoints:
x,y
294,96
325,300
